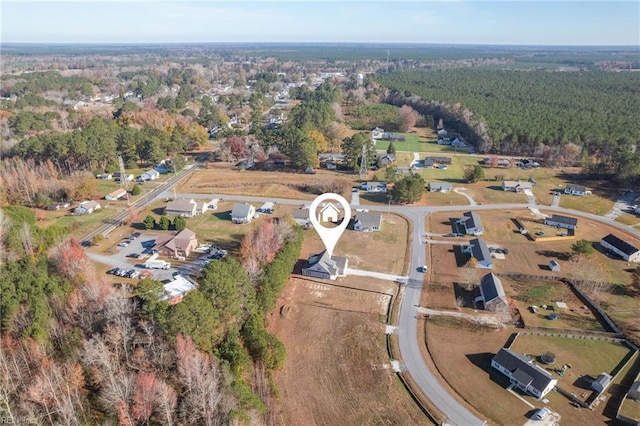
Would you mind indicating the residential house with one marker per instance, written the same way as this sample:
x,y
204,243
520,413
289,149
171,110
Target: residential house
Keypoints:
x,y
377,133
87,207
436,161
443,140
301,216
374,186
331,166
152,174
176,288
479,250
554,266
601,382
573,189
492,294
328,156
393,137
439,187
386,159
122,177
181,207
180,244
243,213
105,176
367,221
116,195
516,186
471,223
560,221
203,205
322,266
58,206
442,132
523,373
620,247
459,142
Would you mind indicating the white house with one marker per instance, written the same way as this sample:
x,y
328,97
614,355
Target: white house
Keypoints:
x,y
377,133
492,294
122,177
181,207
243,213
301,216
322,266
116,195
439,187
625,250
176,288
374,186
329,213
471,223
152,174
516,186
560,221
523,373
573,189
367,222
479,250
87,207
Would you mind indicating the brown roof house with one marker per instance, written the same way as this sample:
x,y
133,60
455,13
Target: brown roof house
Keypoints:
x,y
180,244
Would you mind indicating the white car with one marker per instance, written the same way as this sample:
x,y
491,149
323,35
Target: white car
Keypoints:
x,y
541,413
424,268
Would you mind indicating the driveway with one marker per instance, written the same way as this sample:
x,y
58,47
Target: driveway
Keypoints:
x,y
462,191
378,275
531,199
355,197
623,205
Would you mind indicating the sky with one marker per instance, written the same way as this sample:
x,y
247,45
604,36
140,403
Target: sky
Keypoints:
x,y
538,22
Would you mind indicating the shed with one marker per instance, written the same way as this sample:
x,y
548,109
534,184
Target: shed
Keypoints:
x,y
554,266
634,391
601,383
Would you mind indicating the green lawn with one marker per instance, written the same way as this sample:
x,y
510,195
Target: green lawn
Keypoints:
x,y
590,203
83,224
628,219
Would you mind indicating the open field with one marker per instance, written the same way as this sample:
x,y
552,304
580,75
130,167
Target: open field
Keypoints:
x,y
337,369
82,224
222,180
465,363
382,251
590,203
628,219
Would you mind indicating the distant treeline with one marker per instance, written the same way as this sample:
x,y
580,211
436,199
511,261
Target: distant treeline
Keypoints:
x,y
530,112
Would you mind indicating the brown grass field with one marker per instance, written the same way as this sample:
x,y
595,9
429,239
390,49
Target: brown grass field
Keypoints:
x,y
220,179
465,362
337,370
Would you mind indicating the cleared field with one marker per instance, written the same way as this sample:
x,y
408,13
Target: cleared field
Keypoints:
x,y
337,370
628,219
222,180
590,203
465,363
382,251
83,224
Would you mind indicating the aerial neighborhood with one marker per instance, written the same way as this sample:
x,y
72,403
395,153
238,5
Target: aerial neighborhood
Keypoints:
x,y
204,234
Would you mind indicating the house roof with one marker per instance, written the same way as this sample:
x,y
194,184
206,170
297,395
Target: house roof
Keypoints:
x,y
120,192
89,204
445,160
300,214
480,250
523,369
181,205
564,219
153,172
516,184
369,219
491,287
331,265
621,245
241,210
473,220
178,286
573,186
180,241
439,185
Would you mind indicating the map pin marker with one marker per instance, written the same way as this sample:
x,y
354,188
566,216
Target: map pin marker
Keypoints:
x,y
329,213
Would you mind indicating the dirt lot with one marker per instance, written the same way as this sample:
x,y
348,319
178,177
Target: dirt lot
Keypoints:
x,y
337,369
220,179
465,363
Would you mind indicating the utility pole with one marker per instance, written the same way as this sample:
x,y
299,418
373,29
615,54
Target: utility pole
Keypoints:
x,y
387,61
123,178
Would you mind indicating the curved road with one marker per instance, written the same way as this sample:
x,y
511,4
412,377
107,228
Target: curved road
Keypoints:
x,y
407,327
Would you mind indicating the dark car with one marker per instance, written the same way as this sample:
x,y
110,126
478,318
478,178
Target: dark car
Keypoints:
x,y
136,234
134,255
86,243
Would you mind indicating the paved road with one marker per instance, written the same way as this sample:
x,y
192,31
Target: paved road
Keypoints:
x,y
407,328
623,205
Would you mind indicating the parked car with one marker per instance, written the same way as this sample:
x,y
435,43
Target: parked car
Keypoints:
x,y
134,255
112,271
134,274
424,268
540,233
541,413
124,243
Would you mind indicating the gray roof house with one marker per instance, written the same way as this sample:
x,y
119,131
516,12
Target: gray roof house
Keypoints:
x,y
367,221
516,186
242,213
301,216
573,189
322,266
625,250
471,223
480,252
523,373
439,187
492,294
181,207
87,207
560,221
374,186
